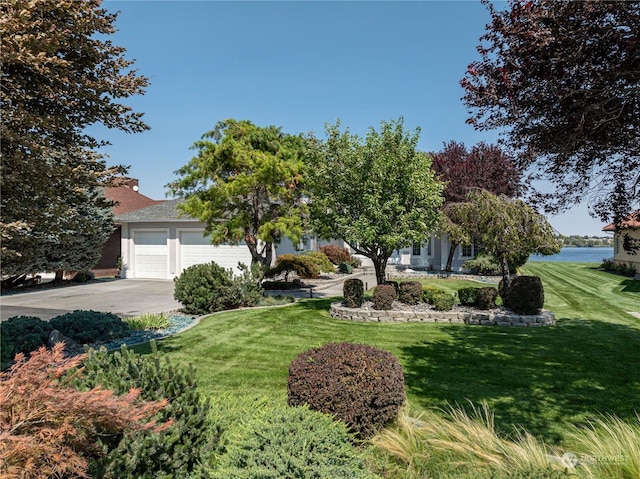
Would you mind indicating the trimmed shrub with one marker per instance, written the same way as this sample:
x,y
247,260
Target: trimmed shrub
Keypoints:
x,y
355,262
353,293
356,383
321,261
87,327
207,288
428,292
395,285
410,292
286,264
174,452
443,301
345,268
383,296
484,265
468,296
486,298
525,295
21,334
292,442
336,254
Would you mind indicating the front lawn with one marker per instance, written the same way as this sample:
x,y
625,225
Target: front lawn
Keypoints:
x,y
543,379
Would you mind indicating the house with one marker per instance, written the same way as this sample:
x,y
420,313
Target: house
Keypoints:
x,y
127,197
626,241
158,243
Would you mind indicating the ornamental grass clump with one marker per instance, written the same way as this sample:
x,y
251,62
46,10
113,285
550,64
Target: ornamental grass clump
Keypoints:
x,y
383,296
358,384
353,293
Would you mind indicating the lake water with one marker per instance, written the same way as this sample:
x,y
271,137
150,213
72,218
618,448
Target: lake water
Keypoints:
x,y
577,255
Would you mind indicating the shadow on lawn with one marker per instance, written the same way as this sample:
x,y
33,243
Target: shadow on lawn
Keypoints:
x,y
540,379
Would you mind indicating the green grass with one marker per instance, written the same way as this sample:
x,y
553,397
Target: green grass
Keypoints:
x,y
544,379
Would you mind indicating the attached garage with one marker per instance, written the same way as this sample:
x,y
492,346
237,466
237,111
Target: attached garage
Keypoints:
x,y
195,248
151,254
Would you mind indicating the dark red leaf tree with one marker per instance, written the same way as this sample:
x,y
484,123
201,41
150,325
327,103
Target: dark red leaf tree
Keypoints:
x,y
561,79
483,167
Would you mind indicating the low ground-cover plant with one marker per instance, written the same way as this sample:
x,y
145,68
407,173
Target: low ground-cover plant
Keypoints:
x,y
295,442
87,327
207,288
177,451
21,334
148,321
49,429
358,384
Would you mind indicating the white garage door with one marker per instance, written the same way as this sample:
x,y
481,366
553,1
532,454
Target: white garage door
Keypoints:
x,y
196,249
151,254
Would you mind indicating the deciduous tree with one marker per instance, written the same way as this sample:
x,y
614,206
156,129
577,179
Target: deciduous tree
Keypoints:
x,y
60,74
562,80
378,193
508,229
485,166
246,184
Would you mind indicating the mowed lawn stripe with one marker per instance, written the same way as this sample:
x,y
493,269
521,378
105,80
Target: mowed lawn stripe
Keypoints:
x,y
543,379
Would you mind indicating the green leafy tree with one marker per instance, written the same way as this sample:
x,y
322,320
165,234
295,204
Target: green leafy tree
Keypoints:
x,y
378,194
246,184
60,75
508,229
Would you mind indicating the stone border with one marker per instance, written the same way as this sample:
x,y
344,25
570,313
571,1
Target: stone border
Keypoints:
x,y
485,318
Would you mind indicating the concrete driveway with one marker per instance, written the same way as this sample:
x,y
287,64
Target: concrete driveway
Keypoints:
x,y
124,297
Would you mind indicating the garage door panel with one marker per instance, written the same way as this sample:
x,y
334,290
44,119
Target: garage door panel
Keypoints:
x,y
151,254
196,249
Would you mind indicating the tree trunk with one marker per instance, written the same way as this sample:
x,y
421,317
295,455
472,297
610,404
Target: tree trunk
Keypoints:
x,y
452,250
59,276
381,268
264,257
506,276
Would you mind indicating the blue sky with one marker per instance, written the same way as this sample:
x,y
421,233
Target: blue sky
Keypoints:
x,y
297,65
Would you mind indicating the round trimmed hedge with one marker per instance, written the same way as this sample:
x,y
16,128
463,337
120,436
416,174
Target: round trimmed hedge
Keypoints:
x,y
358,384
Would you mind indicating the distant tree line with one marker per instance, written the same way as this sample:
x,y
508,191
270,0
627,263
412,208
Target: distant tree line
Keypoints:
x,y
586,241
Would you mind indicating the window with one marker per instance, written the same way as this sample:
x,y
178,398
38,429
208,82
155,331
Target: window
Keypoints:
x,y
429,250
467,250
417,249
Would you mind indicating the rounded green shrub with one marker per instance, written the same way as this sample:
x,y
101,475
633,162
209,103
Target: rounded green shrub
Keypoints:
x,y
410,292
22,334
383,296
207,288
345,268
428,292
486,298
525,295
353,293
176,451
301,265
291,442
468,296
443,301
321,261
358,384
90,326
